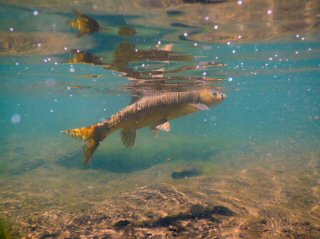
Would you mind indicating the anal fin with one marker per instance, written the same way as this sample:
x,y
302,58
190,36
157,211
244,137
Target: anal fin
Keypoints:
x,y
128,137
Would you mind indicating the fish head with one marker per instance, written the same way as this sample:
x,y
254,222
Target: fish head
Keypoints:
x,y
211,97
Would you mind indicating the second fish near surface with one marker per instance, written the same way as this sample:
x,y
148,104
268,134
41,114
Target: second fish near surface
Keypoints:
x,y
151,111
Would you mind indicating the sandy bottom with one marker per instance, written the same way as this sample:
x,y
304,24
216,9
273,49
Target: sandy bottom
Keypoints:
x,y
256,195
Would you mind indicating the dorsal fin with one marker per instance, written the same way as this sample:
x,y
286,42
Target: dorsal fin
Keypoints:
x,y
78,14
128,137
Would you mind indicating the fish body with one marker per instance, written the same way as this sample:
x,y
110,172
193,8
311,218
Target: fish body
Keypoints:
x,y
150,111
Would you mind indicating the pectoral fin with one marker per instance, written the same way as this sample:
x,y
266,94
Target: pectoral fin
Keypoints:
x,y
200,106
164,127
155,132
128,137
161,127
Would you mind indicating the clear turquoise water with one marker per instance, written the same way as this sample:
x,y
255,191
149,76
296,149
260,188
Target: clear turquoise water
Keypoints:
x,y
272,108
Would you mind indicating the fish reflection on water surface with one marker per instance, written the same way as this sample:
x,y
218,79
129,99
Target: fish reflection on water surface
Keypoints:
x,y
151,111
84,24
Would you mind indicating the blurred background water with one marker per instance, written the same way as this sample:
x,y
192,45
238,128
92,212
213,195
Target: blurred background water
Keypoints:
x,y
261,143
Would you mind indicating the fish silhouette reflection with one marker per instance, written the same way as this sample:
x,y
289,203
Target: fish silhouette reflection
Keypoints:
x,y
84,24
151,111
83,57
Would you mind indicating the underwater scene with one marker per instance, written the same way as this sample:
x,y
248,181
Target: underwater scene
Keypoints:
x,y
160,119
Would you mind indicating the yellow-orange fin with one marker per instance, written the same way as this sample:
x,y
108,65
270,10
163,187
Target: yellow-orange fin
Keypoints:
x,y
92,136
89,147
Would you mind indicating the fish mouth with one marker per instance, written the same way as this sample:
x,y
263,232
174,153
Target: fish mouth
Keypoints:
x,y
223,96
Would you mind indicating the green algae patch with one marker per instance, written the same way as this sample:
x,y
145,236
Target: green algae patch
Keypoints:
x,y
5,229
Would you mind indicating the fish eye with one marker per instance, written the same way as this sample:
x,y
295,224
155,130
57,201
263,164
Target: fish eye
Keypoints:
x,y
215,93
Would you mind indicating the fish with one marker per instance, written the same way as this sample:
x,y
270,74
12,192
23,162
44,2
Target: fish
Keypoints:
x,y
83,57
150,111
84,24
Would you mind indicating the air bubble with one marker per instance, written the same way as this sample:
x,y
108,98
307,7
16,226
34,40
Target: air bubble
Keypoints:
x,y
15,119
72,70
36,13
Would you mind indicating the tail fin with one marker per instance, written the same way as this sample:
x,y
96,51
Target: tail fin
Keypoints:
x,y
92,136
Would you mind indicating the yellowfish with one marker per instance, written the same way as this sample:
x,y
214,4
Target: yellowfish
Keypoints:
x,y
151,111
84,24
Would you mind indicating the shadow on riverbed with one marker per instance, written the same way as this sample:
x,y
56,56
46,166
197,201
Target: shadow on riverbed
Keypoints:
x,y
196,212
126,161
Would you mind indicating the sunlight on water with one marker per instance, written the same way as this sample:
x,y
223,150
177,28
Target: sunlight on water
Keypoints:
x,y
196,119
